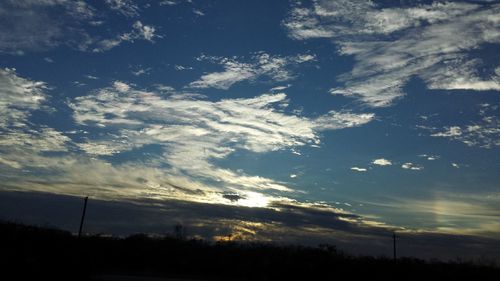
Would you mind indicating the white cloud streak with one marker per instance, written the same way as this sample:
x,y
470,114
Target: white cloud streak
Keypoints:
x,y
168,3
124,7
20,139
391,45
261,64
139,31
412,166
484,132
198,12
358,169
32,26
193,133
18,98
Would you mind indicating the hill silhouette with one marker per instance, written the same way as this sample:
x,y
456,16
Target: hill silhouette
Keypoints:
x,y
40,252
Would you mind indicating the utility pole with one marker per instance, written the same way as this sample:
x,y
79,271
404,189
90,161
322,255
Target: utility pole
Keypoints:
x,y
83,216
394,245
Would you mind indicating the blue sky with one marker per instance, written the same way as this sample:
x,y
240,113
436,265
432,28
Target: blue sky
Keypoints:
x,y
344,117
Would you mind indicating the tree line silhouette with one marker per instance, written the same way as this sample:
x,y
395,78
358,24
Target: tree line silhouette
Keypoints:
x,y
40,252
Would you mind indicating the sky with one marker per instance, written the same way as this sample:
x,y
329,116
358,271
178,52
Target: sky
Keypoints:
x,y
286,121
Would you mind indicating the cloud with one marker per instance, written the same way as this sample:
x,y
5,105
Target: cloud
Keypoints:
x,y
124,7
357,169
19,97
453,212
43,25
484,132
198,12
164,88
280,88
391,45
141,71
453,131
91,77
41,140
233,72
412,166
213,221
20,139
142,31
337,120
121,86
139,31
288,223
168,3
232,196
193,133
382,162
137,118
261,64
182,67
182,174
32,26
18,35
11,163
430,157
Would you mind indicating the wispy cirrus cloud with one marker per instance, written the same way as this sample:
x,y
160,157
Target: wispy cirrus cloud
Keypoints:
x,y
260,64
139,31
19,98
125,7
358,169
42,25
198,12
193,133
91,77
190,132
391,45
21,139
483,131
168,3
38,140
412,166
31,26
430,157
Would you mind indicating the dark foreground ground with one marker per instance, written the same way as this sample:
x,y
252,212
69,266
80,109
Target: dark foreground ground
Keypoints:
x,y
33,253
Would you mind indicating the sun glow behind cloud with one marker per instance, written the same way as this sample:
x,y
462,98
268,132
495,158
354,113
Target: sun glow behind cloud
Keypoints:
x,y
189,132
192,132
